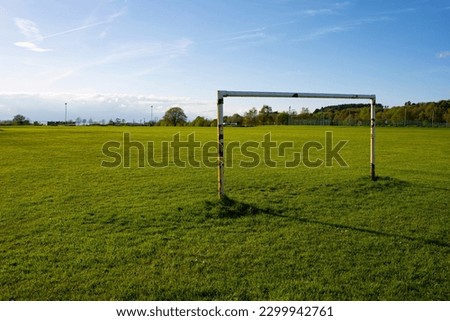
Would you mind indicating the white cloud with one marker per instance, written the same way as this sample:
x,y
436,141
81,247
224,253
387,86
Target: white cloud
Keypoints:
x,y
29,29
332,9
108,20
325,31
249,36
98,106
135,51
31,46
316,12
344,27
443,54
257,36
53,75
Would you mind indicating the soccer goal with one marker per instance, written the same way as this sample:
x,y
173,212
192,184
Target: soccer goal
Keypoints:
x,y
221,94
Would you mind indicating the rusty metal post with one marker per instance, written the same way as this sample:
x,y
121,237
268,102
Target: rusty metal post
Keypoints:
x,y
372,138
221,94
220,159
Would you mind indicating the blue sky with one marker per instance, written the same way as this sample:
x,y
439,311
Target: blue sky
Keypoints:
x,y
110,59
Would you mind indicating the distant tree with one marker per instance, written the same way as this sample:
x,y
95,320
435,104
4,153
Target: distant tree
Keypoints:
x,y
282,118
364,115
397,116
446,117
251,117
265,115
304,113
175,116
19,120
236,119
200,121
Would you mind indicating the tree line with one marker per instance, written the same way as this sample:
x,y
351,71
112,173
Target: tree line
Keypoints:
x,y
410,114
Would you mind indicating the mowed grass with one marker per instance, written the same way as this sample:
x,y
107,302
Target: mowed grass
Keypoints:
x,y
73,230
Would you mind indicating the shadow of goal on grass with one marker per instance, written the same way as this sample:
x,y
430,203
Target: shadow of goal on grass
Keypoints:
x,y
230,208
371,231
363,186
382,182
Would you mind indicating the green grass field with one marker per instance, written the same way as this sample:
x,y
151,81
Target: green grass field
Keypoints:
x,y
73,230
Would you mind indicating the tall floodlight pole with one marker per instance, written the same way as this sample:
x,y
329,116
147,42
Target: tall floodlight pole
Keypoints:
x,y
152,115
65,118
289,116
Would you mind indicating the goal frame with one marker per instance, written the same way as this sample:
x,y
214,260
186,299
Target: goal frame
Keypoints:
x,y
221,94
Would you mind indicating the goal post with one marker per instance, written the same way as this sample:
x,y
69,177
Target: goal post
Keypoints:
x,y
221,94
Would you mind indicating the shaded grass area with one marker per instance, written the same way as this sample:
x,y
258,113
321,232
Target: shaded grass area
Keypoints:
x,y
71,230
229,208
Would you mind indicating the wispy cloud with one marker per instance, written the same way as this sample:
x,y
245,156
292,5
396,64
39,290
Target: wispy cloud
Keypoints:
x,y
443,54
260,35
329,10
159,53
54,75
31,31
245,35
342,4
398,11
252,37
28,28
109,19
325,31
343,27
254,34
316,12
31,46
136,51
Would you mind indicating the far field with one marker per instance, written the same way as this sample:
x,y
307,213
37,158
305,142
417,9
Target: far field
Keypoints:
x,y
73,230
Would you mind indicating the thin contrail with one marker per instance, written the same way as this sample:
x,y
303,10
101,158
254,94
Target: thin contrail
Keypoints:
x,y
109,20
